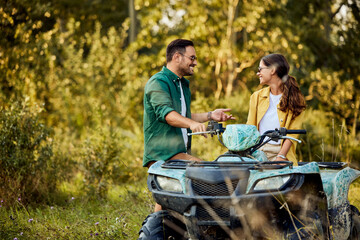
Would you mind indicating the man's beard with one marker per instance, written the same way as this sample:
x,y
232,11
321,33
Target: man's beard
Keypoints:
x,y
186,71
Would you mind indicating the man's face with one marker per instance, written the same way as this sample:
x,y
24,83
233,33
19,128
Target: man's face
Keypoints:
x,y
187,61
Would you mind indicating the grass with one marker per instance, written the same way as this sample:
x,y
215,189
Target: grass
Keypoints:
x,y
118,217
78,217
354,193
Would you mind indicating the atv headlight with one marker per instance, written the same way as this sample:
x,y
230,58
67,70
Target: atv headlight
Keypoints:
x,y
169,184
271,183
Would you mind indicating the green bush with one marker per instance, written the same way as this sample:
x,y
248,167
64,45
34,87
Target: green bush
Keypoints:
x,y
27,172
109,157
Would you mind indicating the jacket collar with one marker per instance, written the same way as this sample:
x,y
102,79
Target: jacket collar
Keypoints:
x,y
265,93
173,77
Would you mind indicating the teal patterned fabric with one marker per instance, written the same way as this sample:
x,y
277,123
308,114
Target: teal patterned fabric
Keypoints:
x,y
238,137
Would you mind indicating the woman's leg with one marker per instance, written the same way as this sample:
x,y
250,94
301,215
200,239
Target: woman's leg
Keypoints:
x,y
271,151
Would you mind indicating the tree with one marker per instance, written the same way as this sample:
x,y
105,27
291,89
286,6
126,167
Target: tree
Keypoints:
x,y
332,38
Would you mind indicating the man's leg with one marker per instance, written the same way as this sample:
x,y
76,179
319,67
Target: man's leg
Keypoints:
x,y
185,156
157,206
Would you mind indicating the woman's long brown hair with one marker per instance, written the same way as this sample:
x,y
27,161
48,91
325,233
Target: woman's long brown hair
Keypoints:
x,y
292,98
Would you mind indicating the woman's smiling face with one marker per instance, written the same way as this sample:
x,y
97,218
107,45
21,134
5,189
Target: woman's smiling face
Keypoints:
x,y
264,73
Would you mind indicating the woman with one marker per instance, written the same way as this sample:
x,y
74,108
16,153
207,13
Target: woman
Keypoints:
x,y
279,105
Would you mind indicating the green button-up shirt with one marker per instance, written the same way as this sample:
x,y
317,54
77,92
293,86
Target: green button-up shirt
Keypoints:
x,y
162,95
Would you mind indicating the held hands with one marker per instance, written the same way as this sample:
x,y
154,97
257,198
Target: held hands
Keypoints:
x,y
219,115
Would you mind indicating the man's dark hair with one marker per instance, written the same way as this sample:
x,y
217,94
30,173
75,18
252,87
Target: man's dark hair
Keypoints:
x,y
178,45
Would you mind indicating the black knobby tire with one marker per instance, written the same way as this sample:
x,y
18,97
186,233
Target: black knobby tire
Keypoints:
x,y
355,224
156,227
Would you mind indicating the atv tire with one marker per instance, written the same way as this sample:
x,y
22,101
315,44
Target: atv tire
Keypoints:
x,y
156,226
355,224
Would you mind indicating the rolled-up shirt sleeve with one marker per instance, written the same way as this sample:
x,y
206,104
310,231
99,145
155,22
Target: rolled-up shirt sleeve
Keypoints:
x,y
158,95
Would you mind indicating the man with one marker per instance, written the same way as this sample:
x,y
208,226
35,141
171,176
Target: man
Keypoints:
x,y
167,116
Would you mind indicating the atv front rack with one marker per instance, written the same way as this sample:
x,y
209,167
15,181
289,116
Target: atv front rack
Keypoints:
x,y
332,165
183,164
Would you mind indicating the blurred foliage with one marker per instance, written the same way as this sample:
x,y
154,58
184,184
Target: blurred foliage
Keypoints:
x,y
28,172
105,159
327,139
82,62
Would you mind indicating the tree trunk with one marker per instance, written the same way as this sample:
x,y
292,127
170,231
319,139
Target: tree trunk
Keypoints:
x,y
132,14
356,114
230,38
218,78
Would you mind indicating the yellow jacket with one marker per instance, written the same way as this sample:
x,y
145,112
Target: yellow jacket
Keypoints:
x,y
259,104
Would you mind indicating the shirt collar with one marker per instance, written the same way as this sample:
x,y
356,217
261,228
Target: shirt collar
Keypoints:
x,y
173,77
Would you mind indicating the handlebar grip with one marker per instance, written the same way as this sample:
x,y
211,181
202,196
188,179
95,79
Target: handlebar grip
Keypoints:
x,y
300,131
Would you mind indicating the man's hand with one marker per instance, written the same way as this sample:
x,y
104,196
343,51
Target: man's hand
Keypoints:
x,y
219,115
198,127
176,120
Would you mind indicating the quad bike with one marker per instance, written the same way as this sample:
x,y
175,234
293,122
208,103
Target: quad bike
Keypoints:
x,y
242,195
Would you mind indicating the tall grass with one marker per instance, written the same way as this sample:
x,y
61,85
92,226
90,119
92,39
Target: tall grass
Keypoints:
x,y
327,140
78,217
354,193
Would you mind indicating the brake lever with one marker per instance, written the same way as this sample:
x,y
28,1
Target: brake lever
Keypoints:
x,y
199,133
291,138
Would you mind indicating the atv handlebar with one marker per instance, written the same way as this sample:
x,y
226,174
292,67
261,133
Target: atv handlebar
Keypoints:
x,y
215,128
300,131
281,133
284,131
276,135
303,131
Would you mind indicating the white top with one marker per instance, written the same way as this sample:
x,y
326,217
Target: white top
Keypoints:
x,y
270,120
183,113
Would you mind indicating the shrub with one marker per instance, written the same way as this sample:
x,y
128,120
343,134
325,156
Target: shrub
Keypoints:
x,y
27,173
110,157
